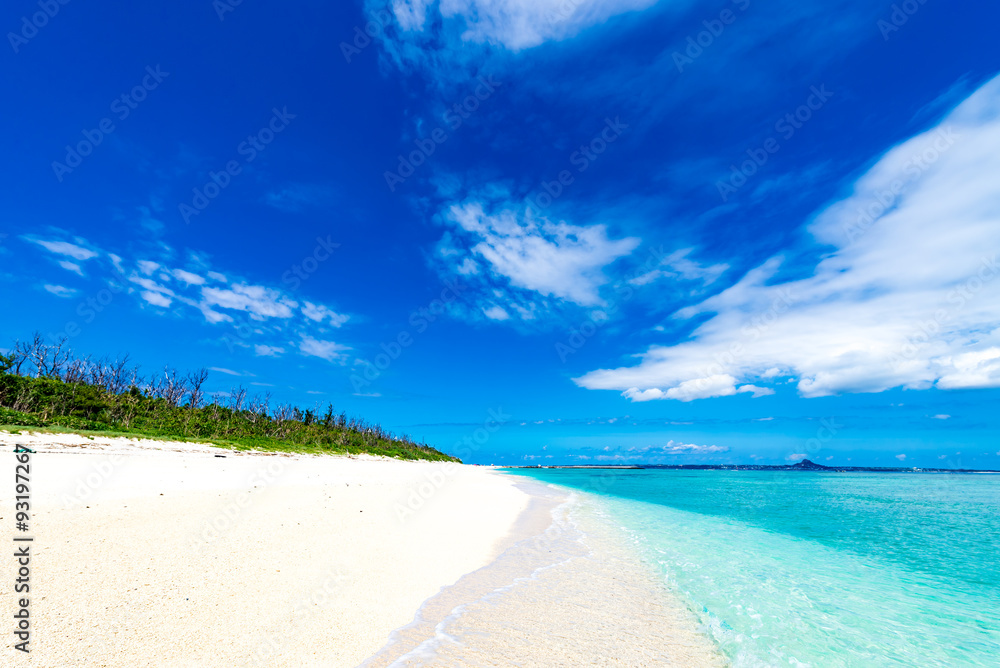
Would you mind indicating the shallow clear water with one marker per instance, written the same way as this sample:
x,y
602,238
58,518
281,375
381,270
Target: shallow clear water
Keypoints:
x,y
820,569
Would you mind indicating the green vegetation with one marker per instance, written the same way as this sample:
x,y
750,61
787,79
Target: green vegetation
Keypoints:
x,y
44,385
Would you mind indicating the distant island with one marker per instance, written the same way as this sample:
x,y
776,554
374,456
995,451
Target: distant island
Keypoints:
x,y
804,465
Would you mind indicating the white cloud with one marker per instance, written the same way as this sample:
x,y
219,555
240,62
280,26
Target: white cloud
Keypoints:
x,y
675,448
719,385
910,299
635,394
59,290
71,266
151,285
940,416
187,277
328,350
677,266
530,252
228,372
213,317
147,267
256,300
901,458
65,248
514,24
757,391
496,313
978,368
798,456
156,298
319,313
467,267
271,314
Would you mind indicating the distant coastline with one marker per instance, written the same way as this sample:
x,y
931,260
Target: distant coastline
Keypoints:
x,y
804,465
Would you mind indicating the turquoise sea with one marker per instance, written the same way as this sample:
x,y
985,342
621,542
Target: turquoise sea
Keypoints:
x,y
818,569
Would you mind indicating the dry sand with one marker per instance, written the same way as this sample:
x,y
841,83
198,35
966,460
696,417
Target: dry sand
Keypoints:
x,y
152,553
165,555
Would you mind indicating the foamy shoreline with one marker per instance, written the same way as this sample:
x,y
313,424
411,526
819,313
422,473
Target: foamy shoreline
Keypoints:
x,y
565,591
155,553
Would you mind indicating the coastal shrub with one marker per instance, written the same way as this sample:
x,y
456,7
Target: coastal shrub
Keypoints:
x,y
45,385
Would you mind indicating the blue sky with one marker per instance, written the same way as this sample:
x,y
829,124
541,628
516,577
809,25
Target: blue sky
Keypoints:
x,y
575,231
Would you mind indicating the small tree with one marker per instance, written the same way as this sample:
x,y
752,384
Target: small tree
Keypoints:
x,y
195,381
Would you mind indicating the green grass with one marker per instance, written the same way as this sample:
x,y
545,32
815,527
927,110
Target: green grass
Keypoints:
x,y
56,404
253,444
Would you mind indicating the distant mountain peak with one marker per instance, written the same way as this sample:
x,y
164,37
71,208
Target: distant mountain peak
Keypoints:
x,y
806,464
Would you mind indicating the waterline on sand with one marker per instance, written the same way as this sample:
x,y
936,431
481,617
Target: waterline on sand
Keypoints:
x,y
564,591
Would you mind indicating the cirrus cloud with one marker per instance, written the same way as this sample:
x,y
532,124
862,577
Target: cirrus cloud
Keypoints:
x,y
908,297
526,260
59,290
267,313
328,350
512,24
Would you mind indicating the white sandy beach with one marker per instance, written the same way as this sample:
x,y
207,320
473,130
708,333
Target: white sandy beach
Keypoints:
x,y
163,554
